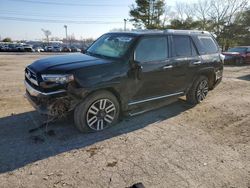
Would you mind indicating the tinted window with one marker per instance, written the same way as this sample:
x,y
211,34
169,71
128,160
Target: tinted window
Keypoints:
x,y
152,49
183,46
111,45
208,45
194,51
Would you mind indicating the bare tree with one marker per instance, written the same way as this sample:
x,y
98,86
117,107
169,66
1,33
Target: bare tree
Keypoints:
x,y
184,10
222,12
201,9
217,16
47,33
168,15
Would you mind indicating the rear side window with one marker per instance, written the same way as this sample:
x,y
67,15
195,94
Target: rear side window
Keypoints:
x,y
183,46
152,49
207,45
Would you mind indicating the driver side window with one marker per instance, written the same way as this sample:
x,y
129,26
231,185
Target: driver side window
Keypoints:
x,y
152,49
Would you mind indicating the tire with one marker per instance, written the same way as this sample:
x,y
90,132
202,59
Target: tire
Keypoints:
x,y
199,90
97,112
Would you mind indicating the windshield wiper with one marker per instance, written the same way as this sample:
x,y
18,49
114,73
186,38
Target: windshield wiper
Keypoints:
x,y
96,55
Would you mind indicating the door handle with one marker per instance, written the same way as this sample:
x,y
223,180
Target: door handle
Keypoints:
x,y
168,67
196,63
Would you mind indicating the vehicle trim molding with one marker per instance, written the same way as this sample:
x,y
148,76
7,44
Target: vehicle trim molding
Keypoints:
x,y
34,92
155,98
31,79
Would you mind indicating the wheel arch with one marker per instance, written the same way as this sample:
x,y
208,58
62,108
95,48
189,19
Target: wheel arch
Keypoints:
x,y
111,90
210,74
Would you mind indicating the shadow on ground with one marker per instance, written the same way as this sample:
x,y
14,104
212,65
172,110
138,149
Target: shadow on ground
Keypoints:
x,y
246,77
233,65
19,147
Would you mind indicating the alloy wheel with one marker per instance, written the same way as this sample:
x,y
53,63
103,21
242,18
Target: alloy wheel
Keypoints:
x,y
202,90
101,114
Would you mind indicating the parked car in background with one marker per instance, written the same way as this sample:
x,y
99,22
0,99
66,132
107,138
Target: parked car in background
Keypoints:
x,y
237,55
56,49
28,48
5,48
19,48
12,47
48,48
39,49
75,49
66,49
125,73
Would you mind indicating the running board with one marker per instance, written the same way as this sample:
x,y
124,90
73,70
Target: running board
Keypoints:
x,y
155,98
152,107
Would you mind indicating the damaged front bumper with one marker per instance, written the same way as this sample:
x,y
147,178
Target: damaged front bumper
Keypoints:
x,y
56,103
35,93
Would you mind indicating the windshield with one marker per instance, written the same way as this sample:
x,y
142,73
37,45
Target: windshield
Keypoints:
x,y
111,45
237,50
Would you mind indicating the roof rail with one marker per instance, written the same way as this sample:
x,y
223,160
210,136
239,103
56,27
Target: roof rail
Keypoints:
x,y
186,31
146,30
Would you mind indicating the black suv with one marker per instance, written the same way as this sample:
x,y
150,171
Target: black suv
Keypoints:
x,y
125,72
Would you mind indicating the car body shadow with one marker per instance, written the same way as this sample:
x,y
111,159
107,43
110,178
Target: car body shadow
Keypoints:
x,y
234,65
19,147
245,77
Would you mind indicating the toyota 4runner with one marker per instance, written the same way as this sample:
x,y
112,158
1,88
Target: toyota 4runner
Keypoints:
x,y
125,72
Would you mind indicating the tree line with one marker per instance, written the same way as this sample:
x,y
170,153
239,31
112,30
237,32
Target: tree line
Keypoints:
x,y
228,20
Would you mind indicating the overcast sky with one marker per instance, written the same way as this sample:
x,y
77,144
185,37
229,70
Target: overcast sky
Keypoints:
x,y
23,19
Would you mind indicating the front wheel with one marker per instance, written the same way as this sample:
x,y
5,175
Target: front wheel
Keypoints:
x,y
97,112
198,91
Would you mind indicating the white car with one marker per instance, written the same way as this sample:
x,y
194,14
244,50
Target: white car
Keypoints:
x,y
28,48
39,49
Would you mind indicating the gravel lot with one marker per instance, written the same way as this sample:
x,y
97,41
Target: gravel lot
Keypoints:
x,y
175,146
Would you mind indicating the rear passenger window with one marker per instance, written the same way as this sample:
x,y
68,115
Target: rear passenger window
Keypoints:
x,y
183,46
152,49
208,45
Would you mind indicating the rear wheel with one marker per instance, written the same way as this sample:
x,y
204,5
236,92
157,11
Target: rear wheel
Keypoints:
x,y
198,91
97,112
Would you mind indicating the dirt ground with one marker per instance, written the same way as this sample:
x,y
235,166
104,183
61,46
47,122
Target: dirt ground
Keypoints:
x,y
175,146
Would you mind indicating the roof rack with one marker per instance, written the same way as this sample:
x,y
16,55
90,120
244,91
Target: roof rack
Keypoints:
x,y
185,31
146,30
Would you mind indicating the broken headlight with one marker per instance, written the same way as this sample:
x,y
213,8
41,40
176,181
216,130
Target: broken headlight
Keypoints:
x,y
58,78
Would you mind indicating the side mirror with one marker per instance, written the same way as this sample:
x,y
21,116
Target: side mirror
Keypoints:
x,y
138,65
136,69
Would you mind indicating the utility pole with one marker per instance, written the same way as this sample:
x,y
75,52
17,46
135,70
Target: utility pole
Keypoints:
x,y
66,32
125,24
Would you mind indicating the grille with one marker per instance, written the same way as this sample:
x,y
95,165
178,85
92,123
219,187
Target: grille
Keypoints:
x,y
31,76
